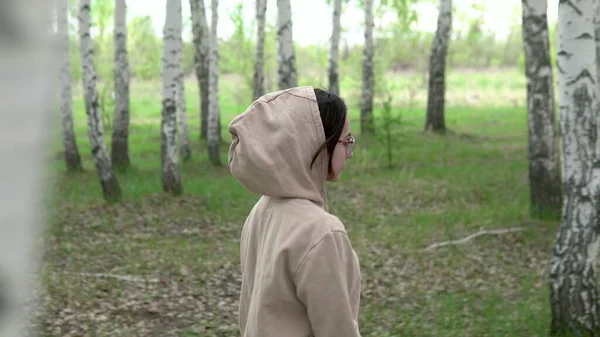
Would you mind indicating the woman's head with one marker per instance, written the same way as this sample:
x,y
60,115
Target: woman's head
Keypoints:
x,y
338,139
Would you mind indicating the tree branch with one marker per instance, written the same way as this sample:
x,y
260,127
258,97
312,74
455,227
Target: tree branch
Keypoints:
x,y
472,236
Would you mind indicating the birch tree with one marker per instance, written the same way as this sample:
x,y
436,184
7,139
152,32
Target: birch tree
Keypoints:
x,y
108,180
259,64
26,126
201,36
213,102
171,180
120,136
334,47
597,38
544,174
366,105
435,120
72,157
184,134
286,55
573,292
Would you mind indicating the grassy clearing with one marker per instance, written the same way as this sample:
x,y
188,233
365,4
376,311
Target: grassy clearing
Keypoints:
x,y
186,249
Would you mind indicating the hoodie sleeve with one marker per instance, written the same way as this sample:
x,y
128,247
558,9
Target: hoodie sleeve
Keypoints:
x,y
328,283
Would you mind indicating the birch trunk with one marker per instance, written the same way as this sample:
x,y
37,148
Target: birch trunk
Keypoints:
x,y
259,64
333,70
201,34
544,174
184,133
213,102
72,157
26,131
597,38
120,142
574,295
366,105
171,180
435,120
286,58
108,180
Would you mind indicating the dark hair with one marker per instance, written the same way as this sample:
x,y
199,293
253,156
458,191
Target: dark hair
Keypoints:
x,y
333,116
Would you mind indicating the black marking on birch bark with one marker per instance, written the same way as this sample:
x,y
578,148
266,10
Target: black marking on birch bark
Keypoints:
x,y
585,36
565,54
582,75
287,25
570,3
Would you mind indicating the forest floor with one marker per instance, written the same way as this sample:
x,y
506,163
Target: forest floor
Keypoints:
x,y
155,265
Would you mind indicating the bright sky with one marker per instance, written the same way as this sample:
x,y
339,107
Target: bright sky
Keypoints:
x,y
312,18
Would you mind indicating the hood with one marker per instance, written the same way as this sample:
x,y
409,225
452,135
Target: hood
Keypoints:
x,y
273,143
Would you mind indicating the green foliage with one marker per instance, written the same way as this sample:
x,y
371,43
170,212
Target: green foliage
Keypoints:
x,y
144,60
312,63
238,53
405,11
101,15
107,104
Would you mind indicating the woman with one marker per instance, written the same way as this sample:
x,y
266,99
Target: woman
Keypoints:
x,y
300,274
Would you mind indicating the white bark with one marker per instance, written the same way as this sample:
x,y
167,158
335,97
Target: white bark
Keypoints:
x,y
366,106
573,277
184,132
544,174
27,94
213,102
259,64
120,136
597,38
72,157
286,55
437,70
108,180
333,70
201,34
171,179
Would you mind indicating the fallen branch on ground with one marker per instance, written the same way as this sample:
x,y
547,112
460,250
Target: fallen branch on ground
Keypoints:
x,y
121,277
472,236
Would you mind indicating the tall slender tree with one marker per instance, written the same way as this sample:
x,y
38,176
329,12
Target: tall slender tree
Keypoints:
x,y
120,136
259,64
366,105
213,101
171,179
26,136
108,180
544,173
597,37
435,120
334,48
201,34
575,310
286,54
184,132
72,157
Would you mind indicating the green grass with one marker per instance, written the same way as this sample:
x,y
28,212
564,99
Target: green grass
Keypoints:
x,y
440,188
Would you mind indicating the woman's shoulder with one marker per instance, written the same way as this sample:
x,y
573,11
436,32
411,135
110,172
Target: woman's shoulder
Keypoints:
x,y
319,223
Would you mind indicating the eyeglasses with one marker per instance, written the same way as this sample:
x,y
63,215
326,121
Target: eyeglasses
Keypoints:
x,y
349,144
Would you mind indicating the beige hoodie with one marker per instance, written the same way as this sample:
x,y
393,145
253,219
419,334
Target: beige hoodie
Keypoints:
x,y
300,275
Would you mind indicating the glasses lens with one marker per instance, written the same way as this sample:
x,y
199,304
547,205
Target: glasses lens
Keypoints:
x,y
350,146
